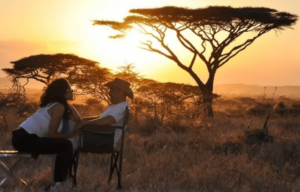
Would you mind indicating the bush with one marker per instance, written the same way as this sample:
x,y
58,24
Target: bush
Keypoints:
x,y
260,109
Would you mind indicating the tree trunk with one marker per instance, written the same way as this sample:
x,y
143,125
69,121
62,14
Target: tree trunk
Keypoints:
x,y
206,89
207,104
208,94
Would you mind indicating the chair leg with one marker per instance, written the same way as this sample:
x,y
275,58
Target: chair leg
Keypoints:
x,y
74,175
76,160
9,172
111,170
113,164
119,181
70,169
3,179
48,187
118,169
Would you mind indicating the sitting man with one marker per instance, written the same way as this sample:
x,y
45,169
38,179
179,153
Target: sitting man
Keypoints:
x,y
113,115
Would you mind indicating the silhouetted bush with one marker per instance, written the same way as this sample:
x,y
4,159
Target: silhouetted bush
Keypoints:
x,y
281,109
26,109
296,109
259,109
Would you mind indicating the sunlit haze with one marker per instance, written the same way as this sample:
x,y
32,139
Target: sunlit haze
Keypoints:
x,y
65,26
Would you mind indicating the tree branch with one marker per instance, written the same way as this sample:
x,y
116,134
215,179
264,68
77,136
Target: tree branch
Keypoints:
x,y
150,48
238,49
193,61
193,49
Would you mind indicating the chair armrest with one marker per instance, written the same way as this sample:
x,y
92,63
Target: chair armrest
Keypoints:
x,y
117,127
99,128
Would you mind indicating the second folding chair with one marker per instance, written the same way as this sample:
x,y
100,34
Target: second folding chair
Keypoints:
x,y
102,142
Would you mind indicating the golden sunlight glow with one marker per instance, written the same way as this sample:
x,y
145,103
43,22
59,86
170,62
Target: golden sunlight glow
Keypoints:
x,y
63,26
93,42
112,53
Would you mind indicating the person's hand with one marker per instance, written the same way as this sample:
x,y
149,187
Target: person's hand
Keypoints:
x,y
77,132
84,120
79,125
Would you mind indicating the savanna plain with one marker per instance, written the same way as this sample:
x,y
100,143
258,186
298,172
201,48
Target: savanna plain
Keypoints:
x,y
175,147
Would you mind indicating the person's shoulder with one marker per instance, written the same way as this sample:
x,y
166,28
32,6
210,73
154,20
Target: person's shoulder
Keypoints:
x,y
123,104
119,106
58,106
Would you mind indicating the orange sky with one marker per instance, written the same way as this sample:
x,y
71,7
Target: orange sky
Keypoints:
x,y
65,26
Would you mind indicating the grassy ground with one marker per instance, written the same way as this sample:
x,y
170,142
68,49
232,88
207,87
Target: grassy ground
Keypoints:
x,y
196,154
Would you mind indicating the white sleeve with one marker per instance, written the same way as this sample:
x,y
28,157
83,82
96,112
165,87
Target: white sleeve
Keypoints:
x,y
117,112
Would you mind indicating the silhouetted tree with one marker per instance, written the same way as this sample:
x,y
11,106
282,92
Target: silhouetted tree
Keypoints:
x,y
165,98
281,108
124,72
12,97
129,74
167,92
15,97
85,73
216,28
296,108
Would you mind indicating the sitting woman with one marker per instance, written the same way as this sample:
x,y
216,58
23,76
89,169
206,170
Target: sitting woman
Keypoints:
x,y
43,133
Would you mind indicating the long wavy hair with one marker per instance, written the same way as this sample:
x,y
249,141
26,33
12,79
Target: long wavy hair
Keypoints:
x,y
55,92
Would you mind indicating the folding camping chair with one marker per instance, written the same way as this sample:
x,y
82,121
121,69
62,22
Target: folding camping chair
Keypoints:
x,y
9,171
103,142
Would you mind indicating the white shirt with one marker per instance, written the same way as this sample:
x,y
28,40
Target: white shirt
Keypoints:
x,y
39,122
116,111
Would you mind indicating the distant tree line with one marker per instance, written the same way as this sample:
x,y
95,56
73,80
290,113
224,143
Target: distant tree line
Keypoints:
x,y
89,77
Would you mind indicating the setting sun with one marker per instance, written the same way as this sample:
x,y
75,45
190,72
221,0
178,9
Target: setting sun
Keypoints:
x,y
125,49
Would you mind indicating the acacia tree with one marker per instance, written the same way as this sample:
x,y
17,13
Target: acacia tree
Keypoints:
x,y
14,97
128,73
216,28
85,73
165,98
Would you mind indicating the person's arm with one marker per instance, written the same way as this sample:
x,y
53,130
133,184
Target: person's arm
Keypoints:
x,y
97,123
89,118
56,113
74,114
108,120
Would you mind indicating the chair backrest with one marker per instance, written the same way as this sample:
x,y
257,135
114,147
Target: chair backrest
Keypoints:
x,y
102,142
126,117
125,122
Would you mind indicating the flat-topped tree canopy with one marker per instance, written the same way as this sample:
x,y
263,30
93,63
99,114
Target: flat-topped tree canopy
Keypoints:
x,y
213,15
206,24
61,61
45,67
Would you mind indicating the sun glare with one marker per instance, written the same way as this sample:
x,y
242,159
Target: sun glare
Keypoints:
x,y
112,53
92,42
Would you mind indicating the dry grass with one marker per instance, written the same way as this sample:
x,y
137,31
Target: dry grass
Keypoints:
x,y
206,155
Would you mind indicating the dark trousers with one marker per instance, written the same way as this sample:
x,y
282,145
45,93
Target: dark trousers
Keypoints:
x,y
31,143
